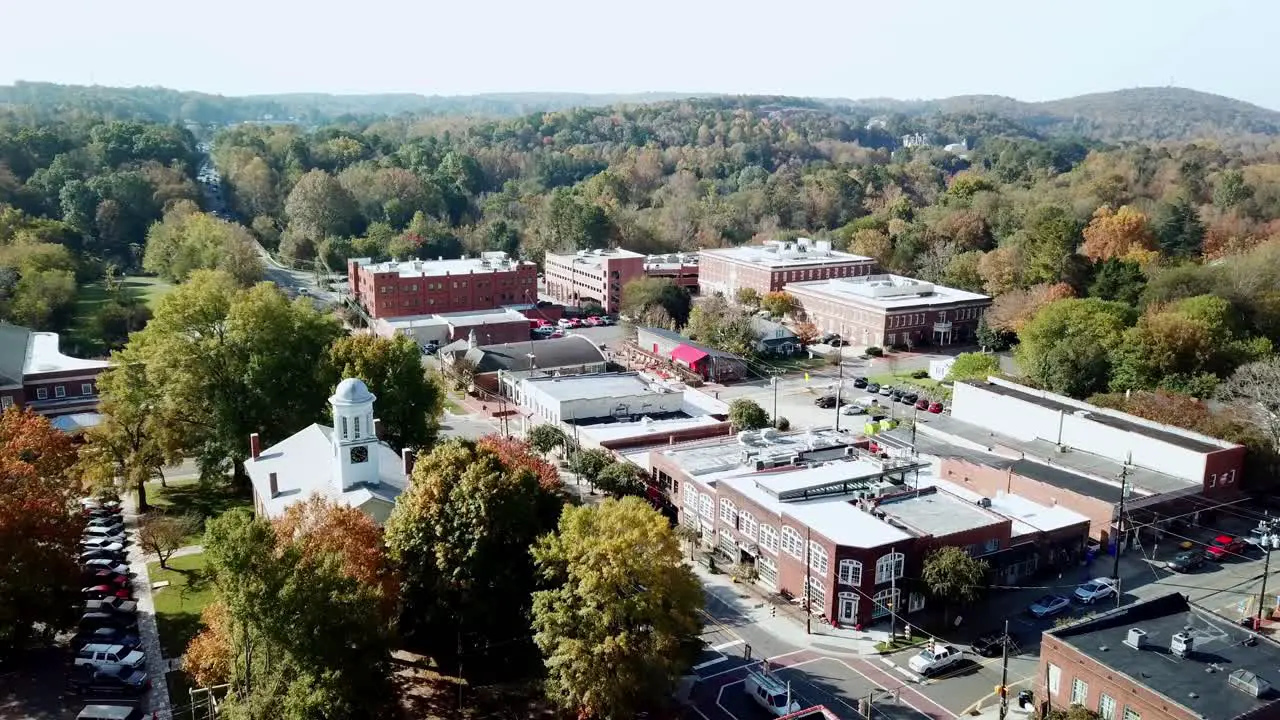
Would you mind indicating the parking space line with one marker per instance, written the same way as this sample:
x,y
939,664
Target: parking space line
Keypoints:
x,y
709,663
727,645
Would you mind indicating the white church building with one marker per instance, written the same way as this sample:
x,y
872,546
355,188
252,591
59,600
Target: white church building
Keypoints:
x,y
346,463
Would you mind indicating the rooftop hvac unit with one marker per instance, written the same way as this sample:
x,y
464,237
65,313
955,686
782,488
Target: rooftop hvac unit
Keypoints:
x,y
1248,682
984,502
1181,644
1136,639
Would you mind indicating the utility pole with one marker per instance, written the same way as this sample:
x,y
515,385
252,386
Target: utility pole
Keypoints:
x,y
839,384
1266,568
893,596
808,597
1115,566
1004,671
773,380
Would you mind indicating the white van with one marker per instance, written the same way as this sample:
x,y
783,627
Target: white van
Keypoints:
x,y
867,401
771,694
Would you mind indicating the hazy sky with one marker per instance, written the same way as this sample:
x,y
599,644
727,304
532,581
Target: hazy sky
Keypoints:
x,y
1029,49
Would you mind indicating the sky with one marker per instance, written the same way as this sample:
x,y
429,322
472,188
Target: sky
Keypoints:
x,y
1027,49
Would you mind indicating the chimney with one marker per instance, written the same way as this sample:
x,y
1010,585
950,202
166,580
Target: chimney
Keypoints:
x,y
377,428
275,485
255,445
406,461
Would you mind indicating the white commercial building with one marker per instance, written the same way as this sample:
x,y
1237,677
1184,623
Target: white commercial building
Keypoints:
x,y
576,398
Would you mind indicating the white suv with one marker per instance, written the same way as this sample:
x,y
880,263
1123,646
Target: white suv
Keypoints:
x,y
94,655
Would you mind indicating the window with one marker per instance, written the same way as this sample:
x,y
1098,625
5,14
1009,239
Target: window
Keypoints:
x,y
1079,691
747,524
889,567
991,545
6,402
769,538
728,513
818,558
1131,714
817,592
344,428
850,572
767,569
42,393
690,496
60,391
357,427
86,388
1106,707
1055,678
915,601
706,507
886,601
791,542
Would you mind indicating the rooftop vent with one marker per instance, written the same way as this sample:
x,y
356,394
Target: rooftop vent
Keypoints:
x,y
1248,682
984,502
1136,639
1181,644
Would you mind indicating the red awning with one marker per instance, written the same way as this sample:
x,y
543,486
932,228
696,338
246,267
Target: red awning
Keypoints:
x,y
686,355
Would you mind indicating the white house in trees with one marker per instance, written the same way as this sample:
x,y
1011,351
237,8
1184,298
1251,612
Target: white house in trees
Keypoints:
x,y
346,463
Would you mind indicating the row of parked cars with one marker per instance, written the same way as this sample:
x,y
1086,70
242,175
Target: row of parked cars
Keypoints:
x,y
541,327
871,406
107,655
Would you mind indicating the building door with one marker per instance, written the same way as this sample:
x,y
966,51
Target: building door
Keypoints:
x,y
848,609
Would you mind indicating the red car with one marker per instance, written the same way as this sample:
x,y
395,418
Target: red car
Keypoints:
x,y
594,320
935,408
575,322
98,592
557,334
1222,546
922,404
106,577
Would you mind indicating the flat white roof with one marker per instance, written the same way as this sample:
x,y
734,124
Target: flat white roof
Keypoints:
x,y
1028,516
777,254
43,356
696,402
592,257
835,518
488,262
413,321
820,475
885,291
601,385
644,427
483,317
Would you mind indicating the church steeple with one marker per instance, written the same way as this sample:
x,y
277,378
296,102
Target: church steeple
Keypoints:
x,y
354,441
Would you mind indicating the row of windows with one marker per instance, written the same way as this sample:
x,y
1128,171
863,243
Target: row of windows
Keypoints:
x,y
457,284
825,273
1080,695
60,391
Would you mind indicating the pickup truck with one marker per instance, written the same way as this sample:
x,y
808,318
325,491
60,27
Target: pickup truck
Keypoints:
x,y
934,658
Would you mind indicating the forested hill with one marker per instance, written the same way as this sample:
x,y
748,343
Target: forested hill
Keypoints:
x,y
1133,114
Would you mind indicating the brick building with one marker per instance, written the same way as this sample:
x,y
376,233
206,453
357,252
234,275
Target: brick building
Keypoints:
x,y
1161,659
773,265
422,287
35,374
891,310
680,268
597,275
818,516
1057,450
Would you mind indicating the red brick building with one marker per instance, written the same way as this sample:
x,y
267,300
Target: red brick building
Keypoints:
x,y
597,275
35,374
773,265
891,310
422,287
680,268
1161,659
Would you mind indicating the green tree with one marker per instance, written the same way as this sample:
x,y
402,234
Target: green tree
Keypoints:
x,y
973,366
1231,189
745,414
225,361
621,479
620,615
954,576
187,240
572,223
1118,280
1066,346
318,206
546,437
719,324
747,297
1049,241
459,536
641,295
410,402
779,304
1179,231
588,464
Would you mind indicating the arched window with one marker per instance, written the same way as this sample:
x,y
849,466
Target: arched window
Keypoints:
x,y
886,601
728,513
850,572
769,538
706,507
747,524
357,430
690,496
889,567
344,427
818,558
791,542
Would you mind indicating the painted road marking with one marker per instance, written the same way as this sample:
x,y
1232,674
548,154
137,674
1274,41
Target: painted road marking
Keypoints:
x,y
727,645
709,663
907,674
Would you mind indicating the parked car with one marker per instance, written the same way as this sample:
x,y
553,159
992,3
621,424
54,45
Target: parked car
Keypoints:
x,y
110,655
105,521
909,398
114,566
103,711
102,532
852,409
106,636
860,382
991,644
1223,546
593,321
91,504
771,693
837,342
544,330
922,404
111,604
575,322
826,401
1048,605
1186,561
108,680
100,543
556,334
564,323
935,408
886,390
95,576
606,320
873,388
935,658
95,620
1095,590
431,348
117,554
98,592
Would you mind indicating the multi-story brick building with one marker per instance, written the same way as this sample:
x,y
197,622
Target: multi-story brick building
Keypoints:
x,y
35,374
890,310
1057,450
1161,659
679,268
818,516
775,264
422,287
597,275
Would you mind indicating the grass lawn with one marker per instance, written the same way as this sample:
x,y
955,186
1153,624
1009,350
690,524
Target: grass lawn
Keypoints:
x,y
799,361
90,297
901,643
190,496
178,606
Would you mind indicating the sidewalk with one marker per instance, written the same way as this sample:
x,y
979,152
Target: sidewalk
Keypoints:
x,y
157,701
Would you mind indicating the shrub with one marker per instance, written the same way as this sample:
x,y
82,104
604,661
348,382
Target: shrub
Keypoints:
x,y
782,424
874,351
920,374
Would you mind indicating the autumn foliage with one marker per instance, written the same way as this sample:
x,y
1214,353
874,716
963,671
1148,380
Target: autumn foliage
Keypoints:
x,y
208,656
519,455
1012,310
1123,234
